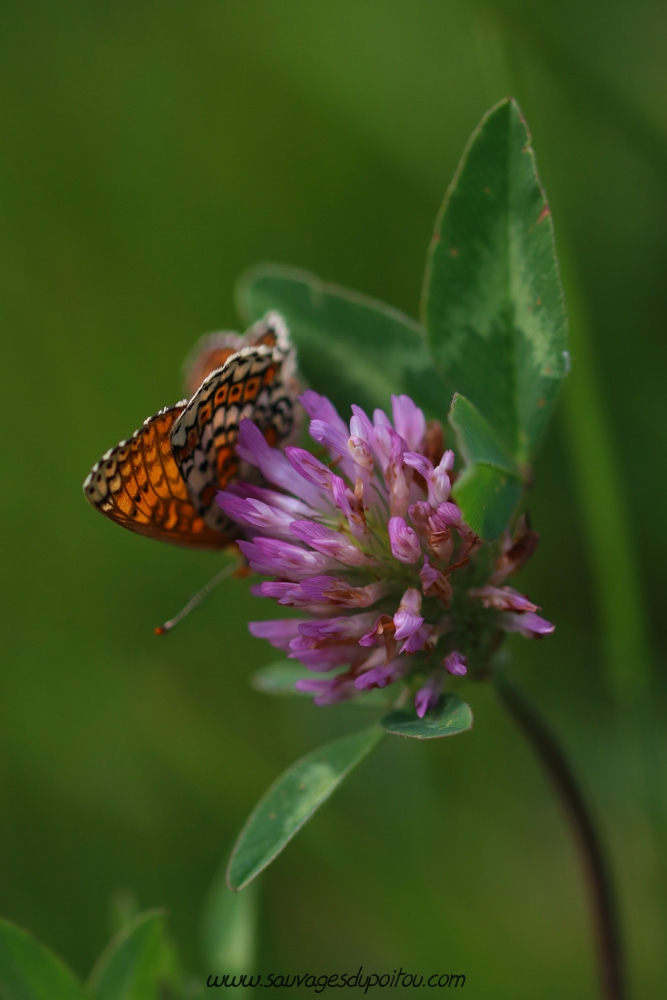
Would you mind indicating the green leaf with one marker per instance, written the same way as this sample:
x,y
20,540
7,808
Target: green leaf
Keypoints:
x,y
292,800
487,497
29,971
351,347
135,963
450,717
493,305
124,908
477,440
280,678
229,929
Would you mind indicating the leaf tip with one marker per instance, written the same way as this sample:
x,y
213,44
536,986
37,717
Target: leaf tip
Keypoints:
x,y
229,878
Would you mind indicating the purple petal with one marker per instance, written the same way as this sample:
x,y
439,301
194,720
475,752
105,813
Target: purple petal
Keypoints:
x,y
420,463
329,542
503,598
440,486
361,426
252,447
407,619
406,624
380,419
420,639
397,477
277,558
331,437
314,684
282,501
338,591
382,633
434,583
343,627
420,515
446,463
351,506
360,453
399,495
437,479
427,696
386,443
403,540
423,701
279,632
430,576
516,550
447,514
309,467
289,594
455,663
409,421
411,601
380,676
320,408
527,623
375,435
255,513
323,658
328,690
336,443
342,692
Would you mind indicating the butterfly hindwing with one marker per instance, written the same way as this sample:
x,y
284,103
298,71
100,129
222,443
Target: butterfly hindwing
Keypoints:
x,y
213,350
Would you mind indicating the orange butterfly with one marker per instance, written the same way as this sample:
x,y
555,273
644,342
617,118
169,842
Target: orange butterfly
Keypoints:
x,y
162,482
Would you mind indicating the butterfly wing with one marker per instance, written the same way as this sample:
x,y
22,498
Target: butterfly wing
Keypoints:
x,y
139,485
213,350
210,352
254,383
162,481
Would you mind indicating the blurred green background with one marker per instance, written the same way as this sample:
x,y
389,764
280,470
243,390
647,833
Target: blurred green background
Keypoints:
x,y
151,153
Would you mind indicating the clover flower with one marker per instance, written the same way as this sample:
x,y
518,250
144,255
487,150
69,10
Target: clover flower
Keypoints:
x,y
391,582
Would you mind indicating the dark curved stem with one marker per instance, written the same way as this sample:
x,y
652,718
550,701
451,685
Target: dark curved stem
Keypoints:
x,y
599,882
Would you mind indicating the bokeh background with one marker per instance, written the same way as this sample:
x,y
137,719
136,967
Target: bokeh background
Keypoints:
x,y
151,153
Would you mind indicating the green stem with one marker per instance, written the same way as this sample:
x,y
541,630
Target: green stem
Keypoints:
x,y
601,489
599,881
624,628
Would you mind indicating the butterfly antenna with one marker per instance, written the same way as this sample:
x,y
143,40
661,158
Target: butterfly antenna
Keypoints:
x,y
198,598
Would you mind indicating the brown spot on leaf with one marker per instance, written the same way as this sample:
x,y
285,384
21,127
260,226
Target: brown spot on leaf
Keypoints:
x,y
453,251
544,213
541,402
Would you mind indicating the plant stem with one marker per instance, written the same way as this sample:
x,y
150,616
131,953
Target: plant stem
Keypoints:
x,y
603,907
606,518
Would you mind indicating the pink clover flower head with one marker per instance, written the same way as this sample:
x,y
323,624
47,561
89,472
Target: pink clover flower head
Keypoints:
x,y
366,540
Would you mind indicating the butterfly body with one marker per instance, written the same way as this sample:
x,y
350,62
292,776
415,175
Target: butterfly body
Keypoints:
x,y
162,482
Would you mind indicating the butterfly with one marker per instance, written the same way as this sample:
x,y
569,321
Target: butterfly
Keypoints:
x,y
162,481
